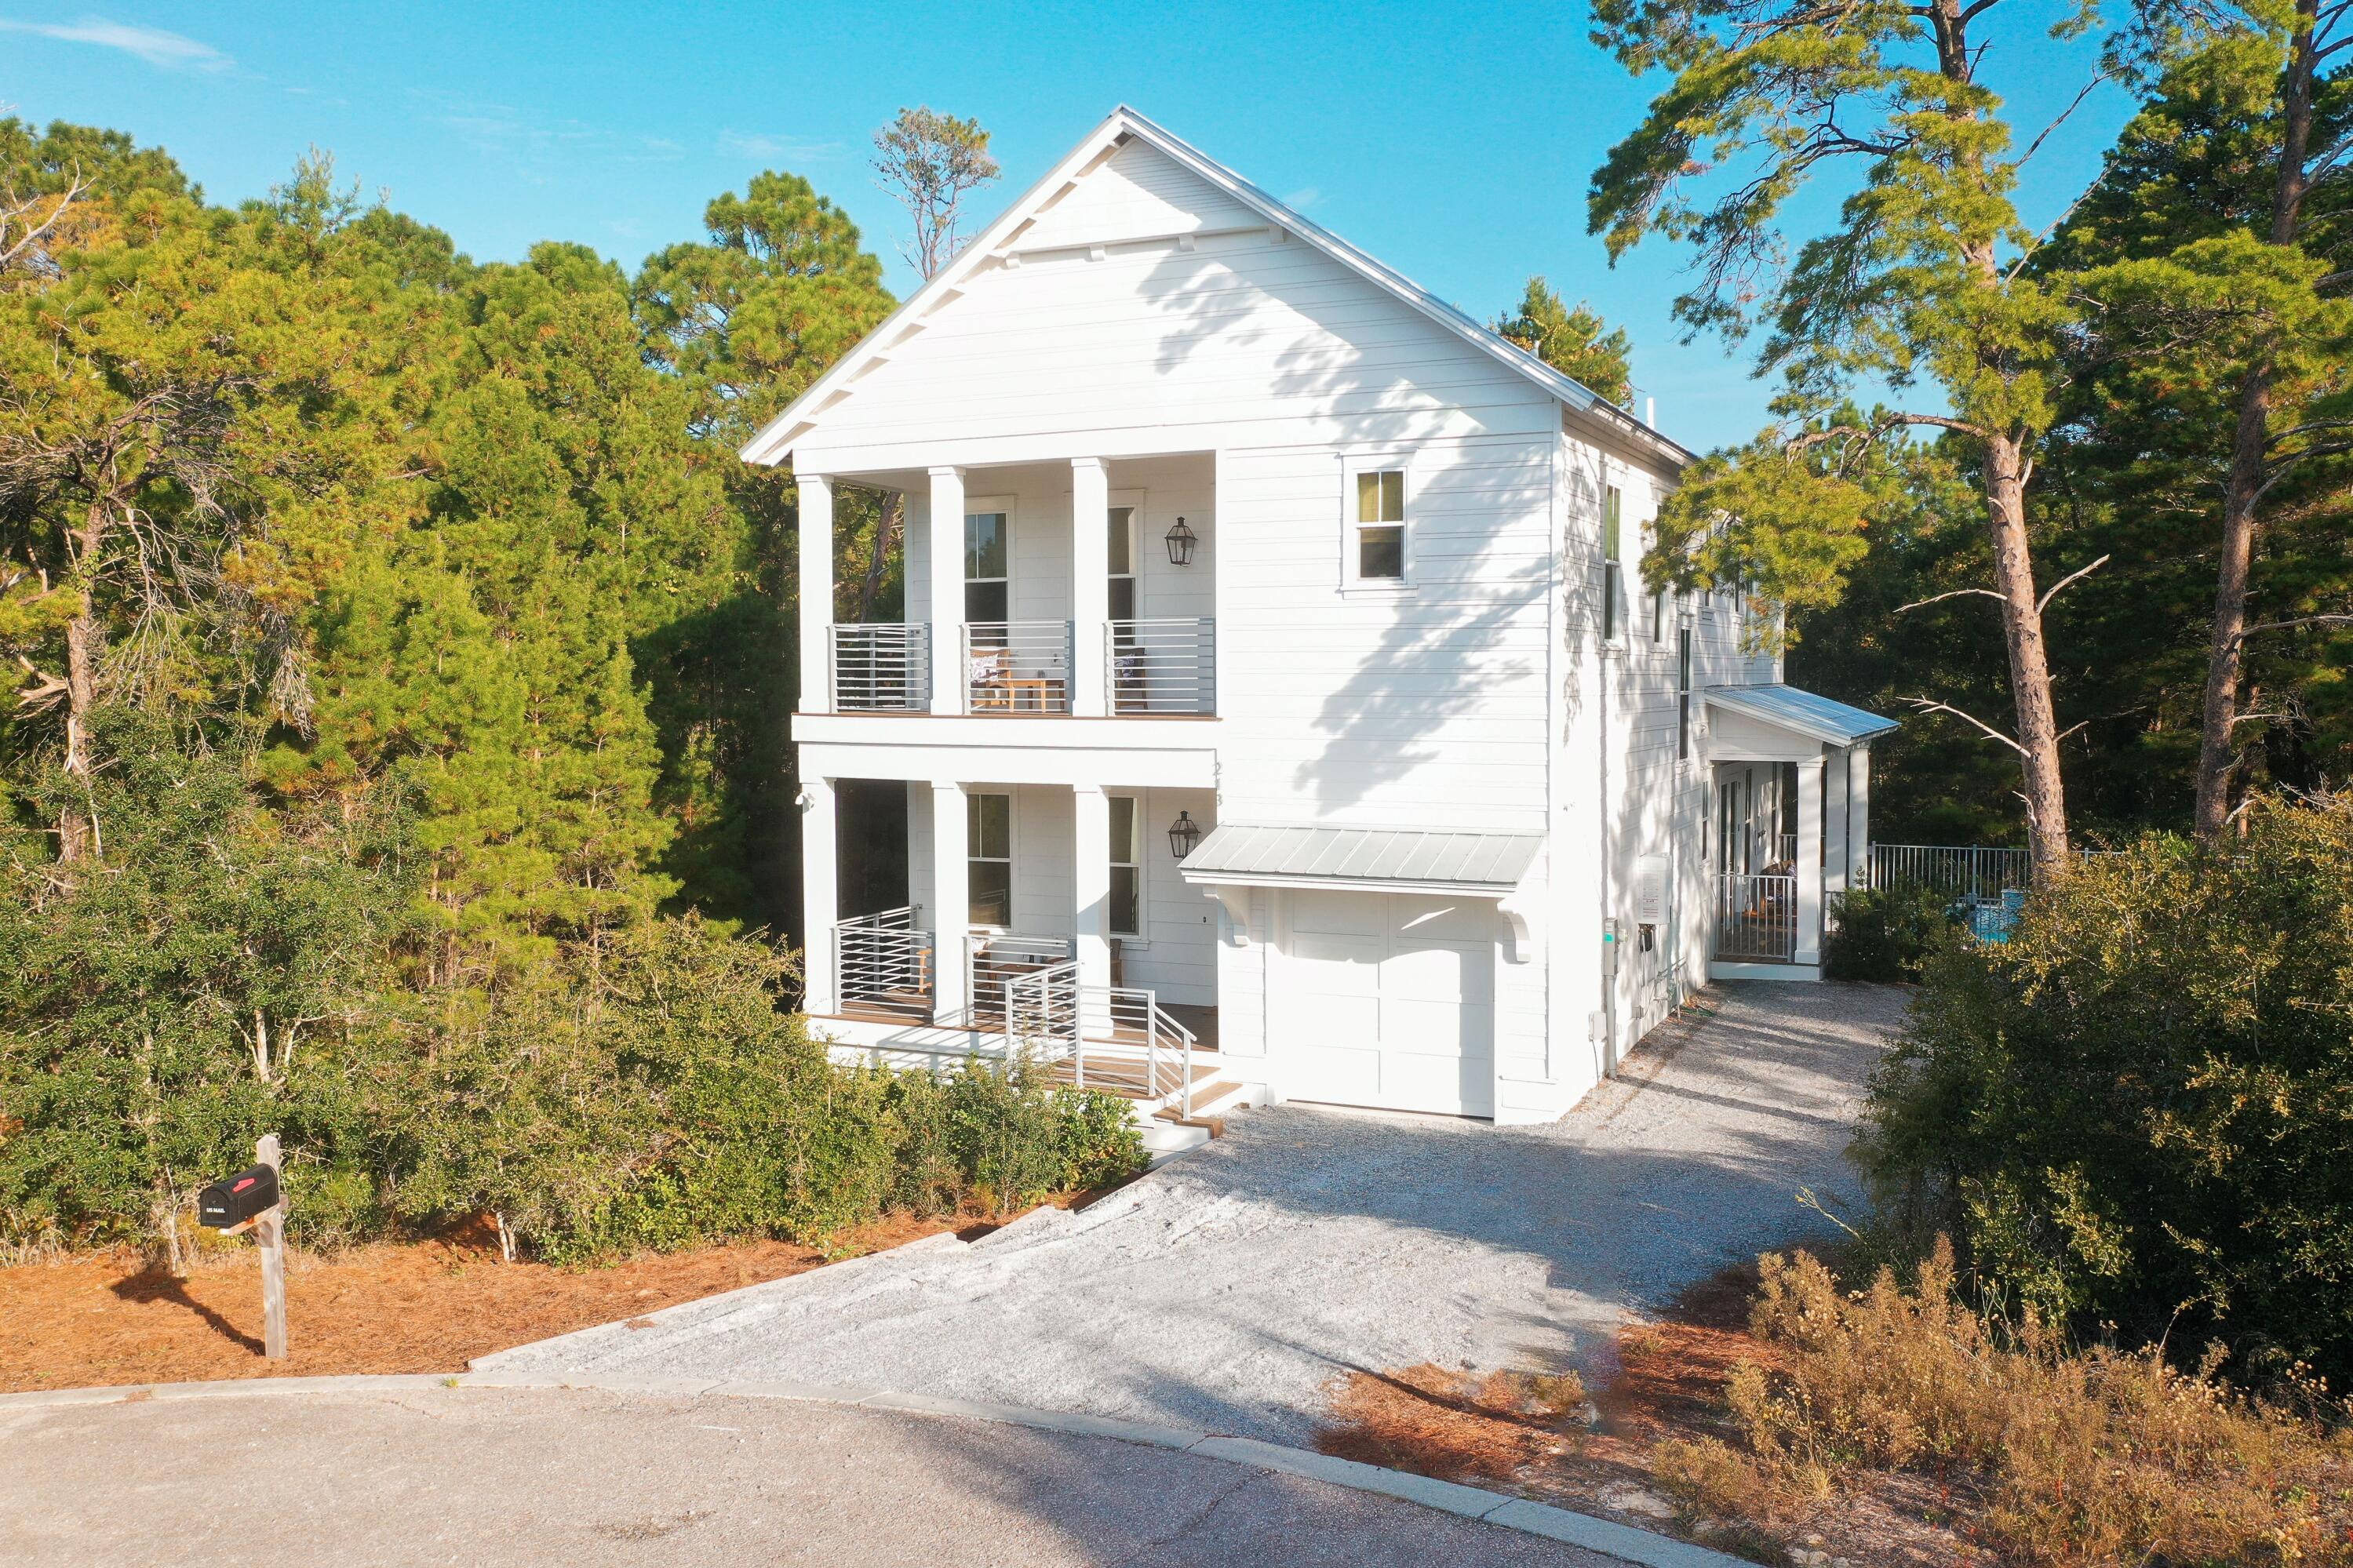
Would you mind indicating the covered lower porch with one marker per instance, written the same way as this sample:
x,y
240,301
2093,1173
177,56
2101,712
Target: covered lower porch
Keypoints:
x,y
1024,919
1788,824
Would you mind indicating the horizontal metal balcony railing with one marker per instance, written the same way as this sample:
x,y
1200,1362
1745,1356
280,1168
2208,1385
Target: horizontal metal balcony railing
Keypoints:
x,y
1017,667
994,961
1756,918
1163,666
882,964
881,668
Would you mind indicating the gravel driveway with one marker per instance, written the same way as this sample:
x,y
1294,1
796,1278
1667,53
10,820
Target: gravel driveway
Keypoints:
x,y
1230,1287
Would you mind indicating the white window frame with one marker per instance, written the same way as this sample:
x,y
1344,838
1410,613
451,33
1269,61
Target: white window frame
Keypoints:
x,y
1141,936
1351,580
1686,694
1133,502
976,506
1012,857
1616,604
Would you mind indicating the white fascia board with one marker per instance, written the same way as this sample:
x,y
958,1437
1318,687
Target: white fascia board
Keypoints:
x,y
1344,884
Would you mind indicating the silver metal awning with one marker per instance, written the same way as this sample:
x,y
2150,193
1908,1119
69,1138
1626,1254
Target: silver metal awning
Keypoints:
x,y
1816,717
1402,858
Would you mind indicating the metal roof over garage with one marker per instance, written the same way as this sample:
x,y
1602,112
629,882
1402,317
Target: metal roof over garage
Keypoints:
x,y
1486,863
1820,718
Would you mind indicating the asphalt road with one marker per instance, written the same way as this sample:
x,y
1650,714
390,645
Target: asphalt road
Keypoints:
x,y
568,1479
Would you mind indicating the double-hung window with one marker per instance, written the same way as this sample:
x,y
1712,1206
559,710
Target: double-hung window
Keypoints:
x,y
1126,867
988,850
985,554
1613,568
1377,532
1120,558
1682,693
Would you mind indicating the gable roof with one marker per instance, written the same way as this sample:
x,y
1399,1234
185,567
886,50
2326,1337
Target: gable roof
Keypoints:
x,y
775,440
1815,717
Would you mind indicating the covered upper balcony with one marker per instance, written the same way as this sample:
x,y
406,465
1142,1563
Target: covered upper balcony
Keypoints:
x,y
1084,589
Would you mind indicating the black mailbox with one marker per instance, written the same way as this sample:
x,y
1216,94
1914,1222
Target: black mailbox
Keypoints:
x,y
238,1199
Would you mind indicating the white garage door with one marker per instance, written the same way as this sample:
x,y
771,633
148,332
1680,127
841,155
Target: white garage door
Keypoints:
x,y
1386,999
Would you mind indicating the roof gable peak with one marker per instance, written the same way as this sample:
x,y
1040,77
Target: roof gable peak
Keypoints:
x,y
773,442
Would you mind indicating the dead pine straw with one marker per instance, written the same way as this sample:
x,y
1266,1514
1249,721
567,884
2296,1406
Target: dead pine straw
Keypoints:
x,y
119,1317
1499,1428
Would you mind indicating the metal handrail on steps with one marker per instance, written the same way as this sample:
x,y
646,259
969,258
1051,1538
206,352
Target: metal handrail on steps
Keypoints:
x,y
1048,1013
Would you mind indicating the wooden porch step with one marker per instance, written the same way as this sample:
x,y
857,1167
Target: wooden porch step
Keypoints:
x,y
1214,1125
1126,1076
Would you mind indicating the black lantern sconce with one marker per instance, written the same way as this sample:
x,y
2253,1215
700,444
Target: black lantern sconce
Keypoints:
x,y
1180,544
1184,834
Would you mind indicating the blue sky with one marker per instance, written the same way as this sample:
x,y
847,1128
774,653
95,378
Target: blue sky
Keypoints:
x,y
1455,143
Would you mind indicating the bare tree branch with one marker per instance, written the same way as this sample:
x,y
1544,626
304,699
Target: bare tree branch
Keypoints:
x,y
2045,602
2321,620
1930,705
1939,598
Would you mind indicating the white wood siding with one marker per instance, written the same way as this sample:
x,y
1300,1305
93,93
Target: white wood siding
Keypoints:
x,y
1242,339
1137,192
1423,708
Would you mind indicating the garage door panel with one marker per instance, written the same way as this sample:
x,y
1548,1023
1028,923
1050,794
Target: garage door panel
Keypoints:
x,y
1324,1019
1351,961
1435,974
1345,1074
1443,920
1436,1080
1432,1028
1339,914
1386,999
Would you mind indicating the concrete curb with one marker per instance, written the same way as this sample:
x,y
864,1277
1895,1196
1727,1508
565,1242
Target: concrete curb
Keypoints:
x,y
1620,1540
707,1314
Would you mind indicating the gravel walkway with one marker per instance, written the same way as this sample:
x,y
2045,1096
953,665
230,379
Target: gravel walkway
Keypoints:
x,y
1230,1287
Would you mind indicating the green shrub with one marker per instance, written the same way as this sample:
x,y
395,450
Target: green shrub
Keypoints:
x,y
1004,1138
2137,1112
644,1087
1885,933
213,978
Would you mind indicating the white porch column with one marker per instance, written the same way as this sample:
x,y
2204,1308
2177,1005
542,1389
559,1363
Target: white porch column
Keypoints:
x,y
1090,832
821,903
1809,867
946,559
815,591
950,901
1090,584
1859,807
1837,823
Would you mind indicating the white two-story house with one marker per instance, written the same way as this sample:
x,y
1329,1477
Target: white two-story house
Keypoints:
x,y
1277,706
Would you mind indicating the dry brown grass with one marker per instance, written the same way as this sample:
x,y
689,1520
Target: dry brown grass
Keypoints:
x,y
2052,1457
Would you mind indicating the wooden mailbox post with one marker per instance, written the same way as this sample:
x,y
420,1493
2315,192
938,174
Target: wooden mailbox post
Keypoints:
x,y
253,1200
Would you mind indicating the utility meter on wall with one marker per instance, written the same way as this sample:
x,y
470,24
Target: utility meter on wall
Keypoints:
x,y
1650,897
